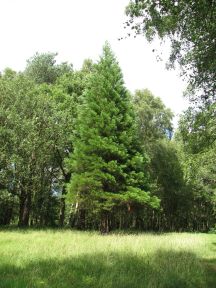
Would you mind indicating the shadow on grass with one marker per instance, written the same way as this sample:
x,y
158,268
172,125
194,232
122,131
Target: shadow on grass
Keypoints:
x,y
210,269
108,270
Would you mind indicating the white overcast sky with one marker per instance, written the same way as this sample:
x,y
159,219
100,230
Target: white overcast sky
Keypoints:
x,y
77,29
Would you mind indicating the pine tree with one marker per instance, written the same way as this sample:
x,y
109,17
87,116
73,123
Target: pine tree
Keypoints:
x,y
108,168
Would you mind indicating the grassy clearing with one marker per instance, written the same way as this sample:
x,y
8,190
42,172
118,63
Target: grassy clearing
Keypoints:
x,y
60,259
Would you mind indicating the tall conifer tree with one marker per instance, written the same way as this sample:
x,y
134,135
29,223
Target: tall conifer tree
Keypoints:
x,y
108,168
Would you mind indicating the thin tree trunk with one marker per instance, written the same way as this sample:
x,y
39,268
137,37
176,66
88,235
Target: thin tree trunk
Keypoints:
x,y
25,207
62,212
62,202
120,221
62,208
134,221
67,177
104,224
80,220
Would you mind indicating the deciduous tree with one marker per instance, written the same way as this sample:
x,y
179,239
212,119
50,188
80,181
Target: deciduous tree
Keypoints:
x,y
190,27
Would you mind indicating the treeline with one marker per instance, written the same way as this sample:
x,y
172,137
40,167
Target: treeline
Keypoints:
x,y
78,150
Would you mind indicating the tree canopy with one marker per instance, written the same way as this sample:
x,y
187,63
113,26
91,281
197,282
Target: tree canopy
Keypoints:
x,y
78,149
191,28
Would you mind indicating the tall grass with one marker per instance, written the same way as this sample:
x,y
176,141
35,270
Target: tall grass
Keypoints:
x,y
53,258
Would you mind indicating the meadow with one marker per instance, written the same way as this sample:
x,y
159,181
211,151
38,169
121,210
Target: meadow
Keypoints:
x,y
64,258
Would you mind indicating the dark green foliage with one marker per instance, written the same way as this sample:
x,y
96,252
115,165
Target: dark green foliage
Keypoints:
x,y
197,135
36,125
37,118
107,164
25,142
166,170
82,130
191,30
8,207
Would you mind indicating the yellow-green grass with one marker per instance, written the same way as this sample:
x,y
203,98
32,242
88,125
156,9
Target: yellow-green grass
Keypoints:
x,y
63,258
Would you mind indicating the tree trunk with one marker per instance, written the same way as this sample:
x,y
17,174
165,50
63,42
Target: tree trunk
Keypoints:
x,y
62,212
80,220
25,207
62,201
104,224
134,221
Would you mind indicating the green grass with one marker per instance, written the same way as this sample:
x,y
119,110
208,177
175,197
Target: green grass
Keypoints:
x,y
53,258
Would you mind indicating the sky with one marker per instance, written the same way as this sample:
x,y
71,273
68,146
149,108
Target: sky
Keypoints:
x,y
76,30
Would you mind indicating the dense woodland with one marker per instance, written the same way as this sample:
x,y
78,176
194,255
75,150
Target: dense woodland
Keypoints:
x,y
77,149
